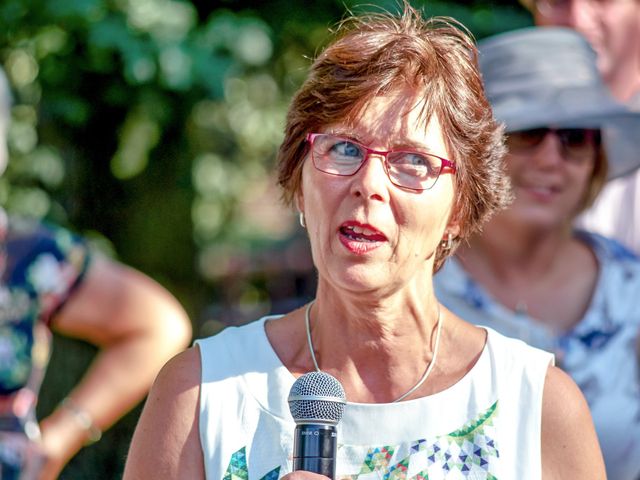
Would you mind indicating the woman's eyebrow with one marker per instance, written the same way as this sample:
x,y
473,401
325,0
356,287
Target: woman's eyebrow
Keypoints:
x,y
411,145
408,144
346,133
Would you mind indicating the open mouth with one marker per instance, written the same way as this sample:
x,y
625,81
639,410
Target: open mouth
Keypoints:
x,y
360,239
361,233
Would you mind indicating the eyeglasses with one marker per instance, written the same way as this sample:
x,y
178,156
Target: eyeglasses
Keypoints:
x,y
556,8
578,144
341,156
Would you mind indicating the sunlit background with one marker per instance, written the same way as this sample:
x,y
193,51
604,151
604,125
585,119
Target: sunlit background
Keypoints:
x,y
151,127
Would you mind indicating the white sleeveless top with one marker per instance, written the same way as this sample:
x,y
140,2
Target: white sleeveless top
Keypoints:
x,y
486,426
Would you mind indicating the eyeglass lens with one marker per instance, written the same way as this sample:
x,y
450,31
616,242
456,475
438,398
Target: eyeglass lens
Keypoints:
x,y
577,143
341,156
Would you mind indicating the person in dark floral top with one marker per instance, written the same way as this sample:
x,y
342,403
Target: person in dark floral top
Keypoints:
x,y
53,282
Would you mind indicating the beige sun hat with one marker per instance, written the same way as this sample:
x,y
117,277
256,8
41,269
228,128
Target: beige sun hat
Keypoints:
x,y
548,76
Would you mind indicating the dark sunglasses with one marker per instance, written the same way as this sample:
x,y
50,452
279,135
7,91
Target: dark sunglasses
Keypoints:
x,y
577,143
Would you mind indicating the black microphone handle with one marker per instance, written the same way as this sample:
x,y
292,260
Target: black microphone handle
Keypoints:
x,y
314,448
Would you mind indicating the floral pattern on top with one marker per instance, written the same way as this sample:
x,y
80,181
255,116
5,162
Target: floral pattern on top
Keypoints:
x,y
42,266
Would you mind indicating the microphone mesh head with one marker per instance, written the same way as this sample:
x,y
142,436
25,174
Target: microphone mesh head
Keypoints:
x,y
317,397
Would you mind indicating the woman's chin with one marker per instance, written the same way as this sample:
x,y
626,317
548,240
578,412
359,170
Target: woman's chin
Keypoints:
x,y
537,217
361,279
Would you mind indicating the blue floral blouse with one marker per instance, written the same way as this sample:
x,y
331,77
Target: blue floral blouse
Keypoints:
x,y
601,352
43,266
40,266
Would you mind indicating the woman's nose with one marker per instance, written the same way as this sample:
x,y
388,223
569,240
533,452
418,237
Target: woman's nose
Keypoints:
x,y
550,152
371,180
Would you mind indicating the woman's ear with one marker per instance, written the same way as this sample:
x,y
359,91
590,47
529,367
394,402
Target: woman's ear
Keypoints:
x,y
453,225
453,229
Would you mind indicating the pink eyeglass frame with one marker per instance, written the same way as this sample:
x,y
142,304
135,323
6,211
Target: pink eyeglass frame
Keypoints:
x,y
446,163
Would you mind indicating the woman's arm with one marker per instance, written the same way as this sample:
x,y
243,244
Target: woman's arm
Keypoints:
x,y
166,443
138,326
570,447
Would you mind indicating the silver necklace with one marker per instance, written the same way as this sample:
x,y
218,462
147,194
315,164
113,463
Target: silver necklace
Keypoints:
x,y
427,372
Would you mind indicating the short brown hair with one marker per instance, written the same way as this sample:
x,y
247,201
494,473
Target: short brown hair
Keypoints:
x,y
381,53
597,180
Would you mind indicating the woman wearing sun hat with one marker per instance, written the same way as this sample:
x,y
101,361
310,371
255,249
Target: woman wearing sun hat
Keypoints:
x,y
530,273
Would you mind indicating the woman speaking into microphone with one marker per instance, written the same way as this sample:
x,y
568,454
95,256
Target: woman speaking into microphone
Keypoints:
x,y
392,157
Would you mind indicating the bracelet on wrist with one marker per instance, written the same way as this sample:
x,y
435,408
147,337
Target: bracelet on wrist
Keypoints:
x,y
83,418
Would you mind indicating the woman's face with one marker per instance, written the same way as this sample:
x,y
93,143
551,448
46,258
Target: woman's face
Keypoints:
x,y
549,185
366,233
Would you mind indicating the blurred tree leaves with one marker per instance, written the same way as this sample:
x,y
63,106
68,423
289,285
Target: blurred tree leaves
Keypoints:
x,y
104,88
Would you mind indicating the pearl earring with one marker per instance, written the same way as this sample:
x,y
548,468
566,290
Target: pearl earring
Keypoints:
x,y
303,224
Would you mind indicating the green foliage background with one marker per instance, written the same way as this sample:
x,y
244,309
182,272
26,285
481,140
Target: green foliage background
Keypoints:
x,y
151,127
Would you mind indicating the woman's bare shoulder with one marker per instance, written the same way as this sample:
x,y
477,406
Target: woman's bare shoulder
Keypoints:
x,y
177,386
570,447
169,423
563,401
181,371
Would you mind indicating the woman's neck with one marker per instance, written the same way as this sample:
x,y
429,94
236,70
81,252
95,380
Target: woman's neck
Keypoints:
x,y
367,340
550,275
512,253
365,318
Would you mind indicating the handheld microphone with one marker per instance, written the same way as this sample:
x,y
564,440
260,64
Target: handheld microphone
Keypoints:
x,y
316,401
